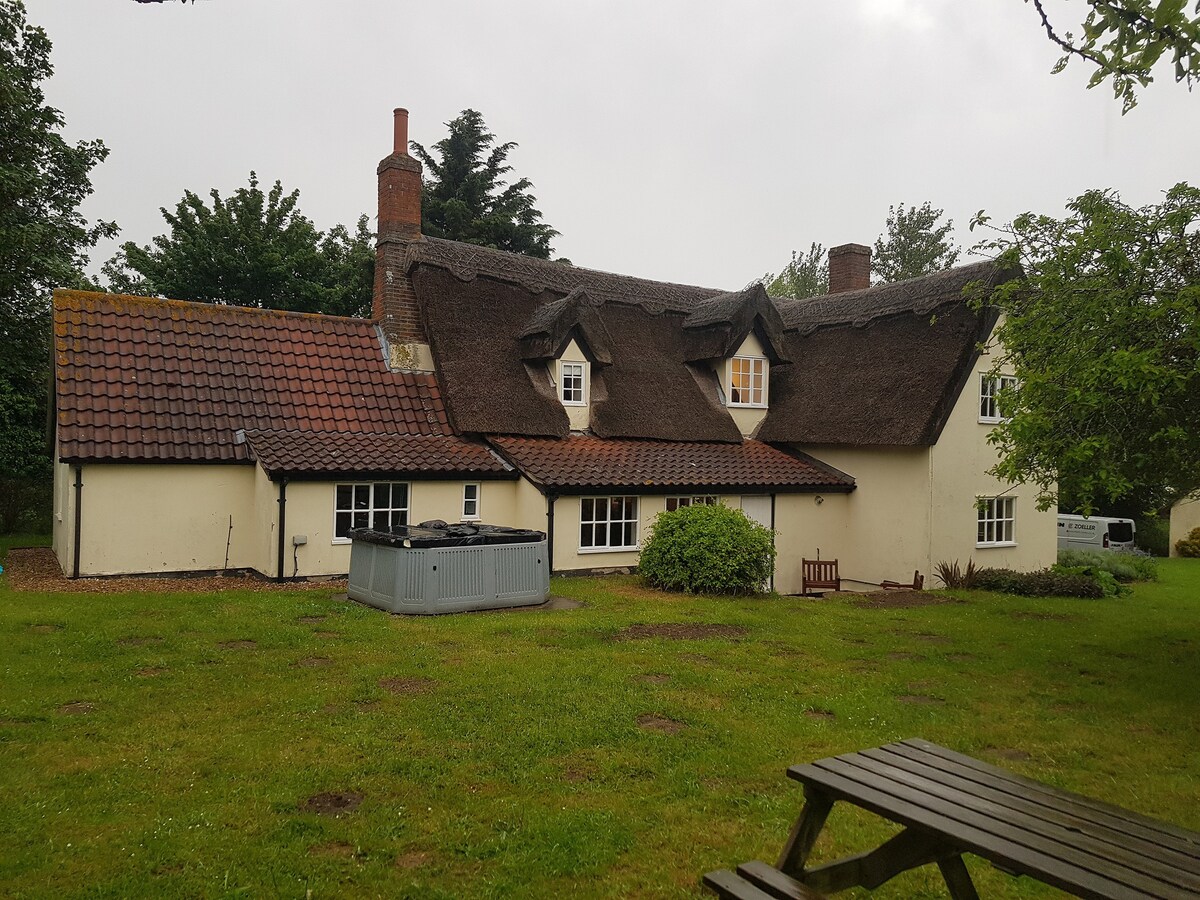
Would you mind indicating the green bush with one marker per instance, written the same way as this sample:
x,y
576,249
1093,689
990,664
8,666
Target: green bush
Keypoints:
x,y
1190,546
1126,567
1154,535
708,550
1043,583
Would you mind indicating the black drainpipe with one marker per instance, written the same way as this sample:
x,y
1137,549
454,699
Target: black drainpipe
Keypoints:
x,y
282,522
772,579
550,498
78,519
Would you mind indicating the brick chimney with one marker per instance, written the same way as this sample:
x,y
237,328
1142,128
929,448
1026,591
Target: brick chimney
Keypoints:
x,y
394,304
849,268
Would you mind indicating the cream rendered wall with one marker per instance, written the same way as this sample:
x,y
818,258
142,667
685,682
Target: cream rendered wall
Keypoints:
x,y
886,528
580,417
802,527
1185,515
959,463
141,518
747,418
63,524
310,512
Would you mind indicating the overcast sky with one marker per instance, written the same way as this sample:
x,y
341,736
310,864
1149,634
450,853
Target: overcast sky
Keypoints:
x,y
693,140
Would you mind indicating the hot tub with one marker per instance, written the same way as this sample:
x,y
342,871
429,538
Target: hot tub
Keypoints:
x,y
428,571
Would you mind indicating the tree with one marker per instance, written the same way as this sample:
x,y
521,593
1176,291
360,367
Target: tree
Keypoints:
x,y
43,241
805,276
1124,39
1104,336
252,249
915,244
464,196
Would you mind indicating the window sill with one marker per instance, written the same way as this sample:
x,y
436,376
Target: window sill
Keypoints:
x,y
471,519
747,405
979,546
337,541
634,549
573,402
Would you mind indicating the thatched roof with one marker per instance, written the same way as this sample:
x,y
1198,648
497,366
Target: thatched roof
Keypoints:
x,y
881,366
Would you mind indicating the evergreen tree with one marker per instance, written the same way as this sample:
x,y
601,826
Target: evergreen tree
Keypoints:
x,y
915,244
43,242
251,249
465,198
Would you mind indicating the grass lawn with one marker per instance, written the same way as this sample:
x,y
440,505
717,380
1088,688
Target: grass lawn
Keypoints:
x,y
173,745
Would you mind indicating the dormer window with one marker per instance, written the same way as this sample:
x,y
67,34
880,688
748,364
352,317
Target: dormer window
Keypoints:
x,y
748,381
572,383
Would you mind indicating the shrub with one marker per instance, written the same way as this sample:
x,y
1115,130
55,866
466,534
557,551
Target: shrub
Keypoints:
x,y
1126,567
1190,546
708,549
1154,535
952,576
1043,583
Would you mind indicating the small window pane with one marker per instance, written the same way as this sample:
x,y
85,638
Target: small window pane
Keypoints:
x,y
362,496
383,496
345,494
341,524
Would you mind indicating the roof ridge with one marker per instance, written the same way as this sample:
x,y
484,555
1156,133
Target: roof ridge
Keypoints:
x,y
167,302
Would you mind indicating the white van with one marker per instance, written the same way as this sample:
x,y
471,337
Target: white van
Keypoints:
x,y
1095,533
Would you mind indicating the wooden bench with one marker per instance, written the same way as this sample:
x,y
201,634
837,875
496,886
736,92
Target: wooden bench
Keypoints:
x,y
757,881
819,575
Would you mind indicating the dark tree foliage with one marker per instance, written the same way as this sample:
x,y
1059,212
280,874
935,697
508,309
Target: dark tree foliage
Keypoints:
x,y
807,275
465,197
1104,336
43,241
914,245
1125,39
251,249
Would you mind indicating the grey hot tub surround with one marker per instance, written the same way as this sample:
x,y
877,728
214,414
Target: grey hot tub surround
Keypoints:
x,y
427,570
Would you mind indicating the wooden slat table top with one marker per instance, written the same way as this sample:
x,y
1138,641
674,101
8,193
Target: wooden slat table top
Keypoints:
x,y
1084,846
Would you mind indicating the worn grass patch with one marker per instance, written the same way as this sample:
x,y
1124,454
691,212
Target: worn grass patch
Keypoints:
x,y
499,755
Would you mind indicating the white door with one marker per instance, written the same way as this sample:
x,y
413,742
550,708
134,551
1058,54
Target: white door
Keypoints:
x,y
758,508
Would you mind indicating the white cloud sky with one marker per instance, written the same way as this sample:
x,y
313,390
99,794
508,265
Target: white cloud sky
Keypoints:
x,y
689,140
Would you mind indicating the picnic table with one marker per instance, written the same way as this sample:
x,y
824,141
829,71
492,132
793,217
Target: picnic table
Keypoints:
x,y
951,804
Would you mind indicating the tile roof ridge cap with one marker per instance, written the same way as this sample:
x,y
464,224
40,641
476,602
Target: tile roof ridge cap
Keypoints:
x,y
168,302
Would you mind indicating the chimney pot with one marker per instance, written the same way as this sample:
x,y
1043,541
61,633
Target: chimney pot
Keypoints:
x,y
401,128
849,268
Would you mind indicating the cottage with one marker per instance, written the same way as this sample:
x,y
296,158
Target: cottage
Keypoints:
x,y
492,386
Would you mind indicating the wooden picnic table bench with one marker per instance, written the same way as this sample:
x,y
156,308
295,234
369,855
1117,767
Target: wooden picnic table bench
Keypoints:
x,y
951,804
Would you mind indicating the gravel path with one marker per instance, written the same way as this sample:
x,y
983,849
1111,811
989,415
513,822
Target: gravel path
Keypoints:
x,y
36,569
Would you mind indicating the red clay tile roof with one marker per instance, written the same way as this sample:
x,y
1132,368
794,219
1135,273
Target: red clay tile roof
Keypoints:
x,y
162,380
579,463
300,453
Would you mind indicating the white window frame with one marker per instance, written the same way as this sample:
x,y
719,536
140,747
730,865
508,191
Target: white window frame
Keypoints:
x,y
990,387
629,516
757,370
561,384
477,500
696,500
371,509
995,522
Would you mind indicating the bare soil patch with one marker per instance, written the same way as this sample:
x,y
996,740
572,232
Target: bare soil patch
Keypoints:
x,y
961,657
818,713
43,629
661,724
150,671
680,631
77,708
902,655
407,685
654,678
1010,753
311,620
414,859
37,569
332,803
238,645
902,599
145,641
336,849
314,662
920,699
931,638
